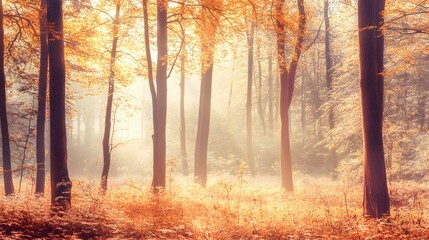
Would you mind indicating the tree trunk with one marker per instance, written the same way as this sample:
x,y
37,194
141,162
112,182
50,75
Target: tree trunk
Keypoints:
x,y
7,165
182,115
287,82
108,119
277,95
329,72
250,43
316,101
79,116
41,109
231,85
303,108
201,146
159,161
260,108
60,182
371,43
151,81
270,91
209,25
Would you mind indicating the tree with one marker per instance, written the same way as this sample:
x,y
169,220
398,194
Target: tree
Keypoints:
x,y
183,57
7,165
329,72
159,96
270,91
250,57
287,82
371,49
259,89
107,150
60,182
209,24
41,109
182,113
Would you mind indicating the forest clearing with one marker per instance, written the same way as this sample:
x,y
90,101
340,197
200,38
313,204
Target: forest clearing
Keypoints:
x,y
231,207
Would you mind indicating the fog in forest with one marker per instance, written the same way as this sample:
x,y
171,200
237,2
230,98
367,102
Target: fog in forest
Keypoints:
x,y
214,119
132,137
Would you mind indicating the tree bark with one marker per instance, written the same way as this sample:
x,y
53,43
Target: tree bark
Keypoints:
x,y
287,82
329,72
203,127
79,116
270,91
151,80
7,165
250,43
207,56
159,161
41,109
60,182
371,44
303,103
108,118
260,105
183,149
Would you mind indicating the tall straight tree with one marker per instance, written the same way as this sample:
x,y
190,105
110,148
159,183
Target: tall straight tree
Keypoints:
x,y
159,165
41,107
371,48
329,72
183,149
7,166
208,33
107,150
261,111
250,61
159,95
270,91
60,182
287,83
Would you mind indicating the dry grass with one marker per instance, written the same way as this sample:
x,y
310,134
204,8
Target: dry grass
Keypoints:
x,y
229,208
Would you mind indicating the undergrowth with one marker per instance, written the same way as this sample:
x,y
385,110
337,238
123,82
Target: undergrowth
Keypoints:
x,y
229,208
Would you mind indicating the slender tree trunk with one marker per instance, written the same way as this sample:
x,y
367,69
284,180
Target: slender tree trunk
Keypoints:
x,y
303,110
60,182
182,114
151,80
41,109
317,103
329,72
159,161
371,43
108,119
207,57
260,108
79,116
287,82
231,85
250,43
7,165
270,91
277,95
200,172
24,152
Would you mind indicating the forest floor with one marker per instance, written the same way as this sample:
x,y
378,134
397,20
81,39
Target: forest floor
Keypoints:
x,y
229,208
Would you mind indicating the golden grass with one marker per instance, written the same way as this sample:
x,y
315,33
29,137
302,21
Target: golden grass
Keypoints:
x,y
229,208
